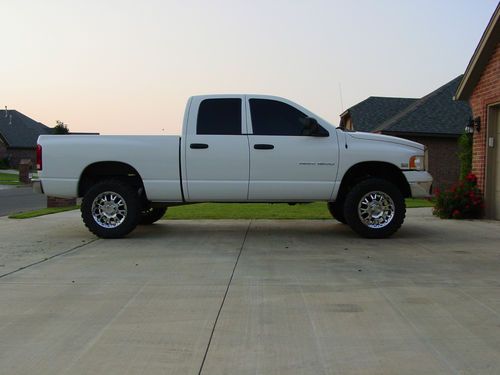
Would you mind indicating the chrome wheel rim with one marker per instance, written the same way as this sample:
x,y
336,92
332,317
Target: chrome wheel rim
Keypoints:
x,y
376,209
109,209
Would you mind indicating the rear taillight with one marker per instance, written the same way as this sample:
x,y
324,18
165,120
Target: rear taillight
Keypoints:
x,y
39,157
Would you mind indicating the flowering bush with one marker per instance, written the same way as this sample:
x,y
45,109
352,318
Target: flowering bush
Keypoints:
x,y
462,201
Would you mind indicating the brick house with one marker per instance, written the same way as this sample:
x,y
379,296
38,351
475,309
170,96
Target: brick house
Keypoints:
x,y
480,86
435,120
18,136
3,150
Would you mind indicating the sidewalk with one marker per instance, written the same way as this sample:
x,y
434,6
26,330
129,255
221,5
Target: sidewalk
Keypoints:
x,y
15,171
20,198
9,171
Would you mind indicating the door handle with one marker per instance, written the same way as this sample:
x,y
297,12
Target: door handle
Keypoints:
x,y
263,147
198,145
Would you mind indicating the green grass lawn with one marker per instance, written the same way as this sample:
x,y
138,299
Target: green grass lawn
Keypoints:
x,y
309,211
9,179
416,203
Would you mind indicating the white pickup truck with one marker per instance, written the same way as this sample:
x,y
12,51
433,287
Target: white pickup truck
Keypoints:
x,y
236,148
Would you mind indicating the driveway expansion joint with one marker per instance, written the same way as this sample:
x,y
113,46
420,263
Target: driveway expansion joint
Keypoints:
x,y
224,298
49,258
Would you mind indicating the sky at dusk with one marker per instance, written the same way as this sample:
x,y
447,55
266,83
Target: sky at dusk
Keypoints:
x,y
128,67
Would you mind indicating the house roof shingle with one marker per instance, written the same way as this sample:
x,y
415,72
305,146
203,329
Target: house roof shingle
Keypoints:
x,y
23,132
370,113
436,113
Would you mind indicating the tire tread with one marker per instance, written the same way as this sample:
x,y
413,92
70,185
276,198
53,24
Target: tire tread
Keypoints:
x,y
131,198
351,211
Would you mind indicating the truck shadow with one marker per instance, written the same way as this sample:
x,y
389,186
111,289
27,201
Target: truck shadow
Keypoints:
x,y
306,229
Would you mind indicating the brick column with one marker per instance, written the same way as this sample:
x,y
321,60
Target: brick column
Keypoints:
x,y
60,202
24,171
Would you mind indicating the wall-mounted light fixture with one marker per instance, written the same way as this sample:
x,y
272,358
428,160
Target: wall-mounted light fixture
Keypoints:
x,y
473,124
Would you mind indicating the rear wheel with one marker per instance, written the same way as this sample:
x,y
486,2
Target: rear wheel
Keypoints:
x,y
375,208
110,209
337,210
151,215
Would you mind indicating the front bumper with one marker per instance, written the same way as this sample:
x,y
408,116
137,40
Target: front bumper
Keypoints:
x,y
37,186
420,183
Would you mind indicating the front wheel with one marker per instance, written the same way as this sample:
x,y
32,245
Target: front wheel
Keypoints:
x,y
375,208
110,209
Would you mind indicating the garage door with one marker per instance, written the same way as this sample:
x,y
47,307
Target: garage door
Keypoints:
x,y
496,192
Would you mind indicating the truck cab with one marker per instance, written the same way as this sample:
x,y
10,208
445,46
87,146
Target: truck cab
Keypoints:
x,y
256,148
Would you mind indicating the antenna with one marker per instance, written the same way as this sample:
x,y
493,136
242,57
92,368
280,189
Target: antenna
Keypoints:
x,y
341,101
5,111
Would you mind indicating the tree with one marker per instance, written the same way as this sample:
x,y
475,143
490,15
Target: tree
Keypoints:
x,y
61,128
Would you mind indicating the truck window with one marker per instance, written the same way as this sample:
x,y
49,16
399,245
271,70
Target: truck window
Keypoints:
x,y
219,116
271,117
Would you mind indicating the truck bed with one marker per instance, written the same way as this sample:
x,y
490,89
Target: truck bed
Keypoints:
x,y
155,158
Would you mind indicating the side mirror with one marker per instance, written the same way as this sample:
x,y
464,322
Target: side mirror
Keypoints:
x,y
313,129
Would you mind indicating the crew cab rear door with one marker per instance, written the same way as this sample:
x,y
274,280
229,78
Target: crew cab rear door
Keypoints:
x,y
286,165
216,150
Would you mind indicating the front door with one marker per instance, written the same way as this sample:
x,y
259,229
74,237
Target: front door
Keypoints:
x,y
284,164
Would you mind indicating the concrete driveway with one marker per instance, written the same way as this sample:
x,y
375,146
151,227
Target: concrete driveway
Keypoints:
x,y
250,297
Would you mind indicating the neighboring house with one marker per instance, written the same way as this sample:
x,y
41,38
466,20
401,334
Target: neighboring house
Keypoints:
x,y
480,86
372,112
18,135
3,150
435,120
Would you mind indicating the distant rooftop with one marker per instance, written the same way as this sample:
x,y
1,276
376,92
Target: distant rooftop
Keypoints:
x,y
370,113
434,114
20,130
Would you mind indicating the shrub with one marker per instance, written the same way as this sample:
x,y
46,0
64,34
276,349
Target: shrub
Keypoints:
x,y
462,201
4,163
465,154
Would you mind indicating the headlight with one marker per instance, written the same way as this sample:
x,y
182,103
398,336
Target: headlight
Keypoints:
x,y
417,162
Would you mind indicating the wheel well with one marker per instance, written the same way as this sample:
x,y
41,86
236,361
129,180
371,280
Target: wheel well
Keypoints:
x,y
106,170
362,171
